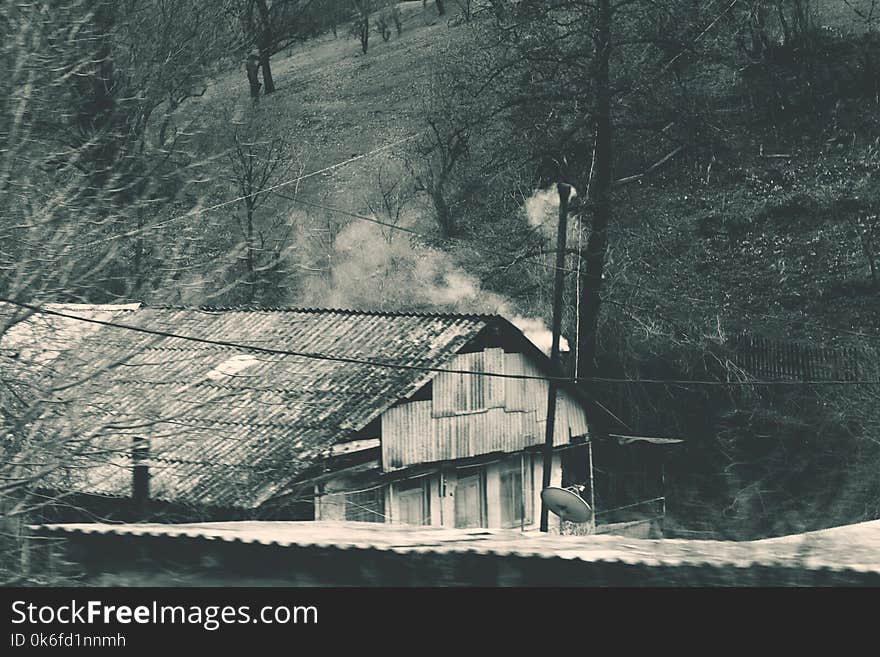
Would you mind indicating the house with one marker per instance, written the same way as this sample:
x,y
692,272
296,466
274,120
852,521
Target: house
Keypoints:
x,y
158,413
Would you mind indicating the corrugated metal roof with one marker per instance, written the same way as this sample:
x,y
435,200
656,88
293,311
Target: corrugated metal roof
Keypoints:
x,y
851,547
225,430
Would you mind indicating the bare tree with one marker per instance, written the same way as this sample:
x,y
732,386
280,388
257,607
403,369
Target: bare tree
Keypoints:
x,y
561,81
396,19
467,9
439,155
333,12
94,149
270,26
91,125
393,194
868,230
382,26
254,164
867,12
360,27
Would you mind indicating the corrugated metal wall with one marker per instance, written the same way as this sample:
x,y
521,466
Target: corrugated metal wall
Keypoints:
x,y
472,415
454,393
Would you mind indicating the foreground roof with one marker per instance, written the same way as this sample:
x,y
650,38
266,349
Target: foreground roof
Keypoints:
x,y
226,427
851,547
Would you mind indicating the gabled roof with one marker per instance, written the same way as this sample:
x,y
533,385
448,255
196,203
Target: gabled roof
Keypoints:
x,y
226,427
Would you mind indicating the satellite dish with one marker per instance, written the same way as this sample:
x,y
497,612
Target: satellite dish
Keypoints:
x,y
566,503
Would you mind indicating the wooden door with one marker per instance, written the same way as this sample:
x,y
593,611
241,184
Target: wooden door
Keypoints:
x,y
411,506
469,501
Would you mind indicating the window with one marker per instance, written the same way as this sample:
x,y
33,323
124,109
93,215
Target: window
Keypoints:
x,y
366,506
413,502
470,502
516,492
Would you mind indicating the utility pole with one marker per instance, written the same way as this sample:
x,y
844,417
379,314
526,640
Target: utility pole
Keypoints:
x,y
559,282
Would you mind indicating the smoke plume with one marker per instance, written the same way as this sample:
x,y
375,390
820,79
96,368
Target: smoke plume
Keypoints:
x,y
372,269
542,209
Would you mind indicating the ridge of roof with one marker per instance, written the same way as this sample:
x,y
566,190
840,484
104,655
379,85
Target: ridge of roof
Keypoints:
x,y
96,307
331,311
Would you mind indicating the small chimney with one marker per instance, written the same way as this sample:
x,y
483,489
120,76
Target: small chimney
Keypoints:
x,y
140,477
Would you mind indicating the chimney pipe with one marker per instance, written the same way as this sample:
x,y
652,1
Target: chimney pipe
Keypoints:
x,y
140,477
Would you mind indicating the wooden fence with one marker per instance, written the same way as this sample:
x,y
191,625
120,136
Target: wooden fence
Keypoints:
x,y
766,358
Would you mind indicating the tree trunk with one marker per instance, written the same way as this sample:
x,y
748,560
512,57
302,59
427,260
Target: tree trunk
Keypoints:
x,y
868,250
268,82
758,31
98,116
265,45
250,259
139,264
252,66
365,33
103,99
786,33
444,214
600,197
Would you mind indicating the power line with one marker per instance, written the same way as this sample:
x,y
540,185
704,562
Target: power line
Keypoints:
x,y
409,231
771,316
426,368
270,350
286,183
350,214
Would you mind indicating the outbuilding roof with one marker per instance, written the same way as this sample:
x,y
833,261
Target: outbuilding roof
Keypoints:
x,y
849,547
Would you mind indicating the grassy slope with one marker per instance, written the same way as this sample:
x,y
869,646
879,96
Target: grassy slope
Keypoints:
x,y
340,103
763,241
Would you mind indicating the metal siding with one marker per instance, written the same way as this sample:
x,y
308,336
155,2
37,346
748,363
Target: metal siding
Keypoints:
x,y
514,389
475,385
459,393
494,362
443,429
